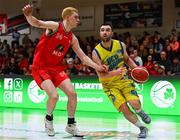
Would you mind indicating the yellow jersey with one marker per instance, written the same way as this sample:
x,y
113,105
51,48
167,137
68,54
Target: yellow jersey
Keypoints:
x,y
112,57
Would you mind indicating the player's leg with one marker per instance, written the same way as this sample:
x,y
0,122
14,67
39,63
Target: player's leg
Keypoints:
x,y
132,97
128,114
137,107
129,93
50,89
53,96
67,87
43,80
131,117
119,101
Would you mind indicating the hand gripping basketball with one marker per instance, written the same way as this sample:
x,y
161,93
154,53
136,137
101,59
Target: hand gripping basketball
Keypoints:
x,y
140,74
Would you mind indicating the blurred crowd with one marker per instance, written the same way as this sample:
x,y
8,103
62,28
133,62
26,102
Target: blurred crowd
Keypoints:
x,y
160,55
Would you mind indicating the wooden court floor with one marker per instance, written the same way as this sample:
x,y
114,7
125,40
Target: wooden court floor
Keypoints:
x,y
28,124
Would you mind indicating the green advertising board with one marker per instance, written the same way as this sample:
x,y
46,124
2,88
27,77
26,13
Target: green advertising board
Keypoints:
x,y
158,96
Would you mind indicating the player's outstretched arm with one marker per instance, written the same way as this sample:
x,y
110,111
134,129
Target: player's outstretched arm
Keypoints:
x,y
84,58
33,21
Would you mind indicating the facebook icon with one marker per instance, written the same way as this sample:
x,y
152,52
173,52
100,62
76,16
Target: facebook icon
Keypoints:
x,y
8,83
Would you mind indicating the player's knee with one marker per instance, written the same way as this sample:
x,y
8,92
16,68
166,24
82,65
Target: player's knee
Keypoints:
x,y
125,109
136,107
126,112
135,104
72,95
55,97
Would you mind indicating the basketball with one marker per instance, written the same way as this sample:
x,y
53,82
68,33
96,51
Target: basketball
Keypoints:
x,y
140,74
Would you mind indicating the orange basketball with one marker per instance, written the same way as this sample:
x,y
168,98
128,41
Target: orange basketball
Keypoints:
x,y
140,74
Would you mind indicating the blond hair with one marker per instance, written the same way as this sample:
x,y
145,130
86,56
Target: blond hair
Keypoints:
x,y
68,11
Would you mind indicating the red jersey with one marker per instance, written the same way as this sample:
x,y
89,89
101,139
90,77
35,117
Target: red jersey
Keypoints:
x,y
50,51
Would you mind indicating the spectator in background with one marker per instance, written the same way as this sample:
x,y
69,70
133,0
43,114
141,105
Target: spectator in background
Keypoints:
x,y
29,70
137,58
4,48
88,49
25,39
151,52
155,70
161,70
165,62
134,42
12,67
131,55
159,38
176,66
157,47
78,65
174,45
143,50
93,41
81,43
24,64
169,53
15,36
149,65
148,39
71,68
166,43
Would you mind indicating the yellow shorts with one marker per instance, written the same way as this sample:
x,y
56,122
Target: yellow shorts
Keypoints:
x,y
120,91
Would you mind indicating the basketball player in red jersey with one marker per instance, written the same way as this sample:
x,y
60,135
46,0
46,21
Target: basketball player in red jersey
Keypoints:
x,y
48,69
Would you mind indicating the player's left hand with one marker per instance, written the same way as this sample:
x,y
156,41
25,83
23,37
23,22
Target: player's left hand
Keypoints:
x,y
27,10
103,68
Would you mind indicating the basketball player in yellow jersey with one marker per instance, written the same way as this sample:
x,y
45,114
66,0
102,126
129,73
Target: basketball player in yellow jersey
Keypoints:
x,y
116,84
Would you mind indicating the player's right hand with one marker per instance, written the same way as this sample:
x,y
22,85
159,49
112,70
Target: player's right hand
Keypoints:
x,y
122,71
27,10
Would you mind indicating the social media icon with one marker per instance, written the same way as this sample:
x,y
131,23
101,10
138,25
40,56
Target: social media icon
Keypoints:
x,y
18,84
17,96
8,96
8,83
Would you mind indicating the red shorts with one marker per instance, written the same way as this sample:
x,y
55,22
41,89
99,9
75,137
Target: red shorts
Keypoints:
x,y
55,76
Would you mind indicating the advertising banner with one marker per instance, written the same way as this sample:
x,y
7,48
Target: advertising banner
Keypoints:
x,y
158,96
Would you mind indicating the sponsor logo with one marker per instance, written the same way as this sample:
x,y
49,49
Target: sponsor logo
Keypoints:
x,y
58,51
35,94
163,94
